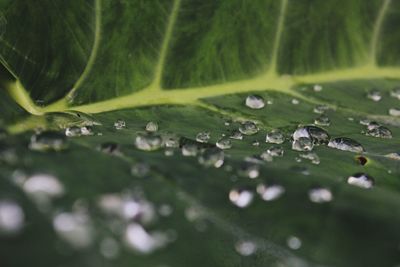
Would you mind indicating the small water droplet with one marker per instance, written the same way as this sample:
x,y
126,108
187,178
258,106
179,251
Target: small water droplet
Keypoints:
x,y
48,141
73,131
148,142
293,242
189,150
394,112
237,135
295,101
346,144
374,95
395,93
12,217
171,141
119,124
394,155
365,122
275,137
110,148
152,126
379,131
313,157
320,109
87,130
224,143
248,128
361,180
303,144
270,192
317,88
249,169
245,247
203,137
275,151
212,157
255,143
169,152
316,134
322,120
255,102
241,197
320,195
142,241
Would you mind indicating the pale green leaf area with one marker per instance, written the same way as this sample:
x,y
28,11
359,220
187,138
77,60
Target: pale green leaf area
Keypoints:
x,y
189,65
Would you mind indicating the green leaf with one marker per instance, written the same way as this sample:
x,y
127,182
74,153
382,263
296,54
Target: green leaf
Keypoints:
x,y
189,66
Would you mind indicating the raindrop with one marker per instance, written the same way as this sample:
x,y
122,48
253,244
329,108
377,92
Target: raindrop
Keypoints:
x,y
394,112
374,95
189,150
246,247
142,241
248,128
275,151
295,101
320,195
73,131
322,120
255,102
12,217
275,137
212,157
119,124
395,93
303,144
152,127
241,197
380,131
270,192
171,141
203,137
361,180
237,135
372,125
148,142
293,242
317,134
320,109
224,143
346,144
317,88
313,157
48,141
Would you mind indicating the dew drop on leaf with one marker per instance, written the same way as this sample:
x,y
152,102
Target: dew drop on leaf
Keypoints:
x,y
380,131
203,137
275,137
346,144
316,134
361,180
245,247
110,148
119,124
249,169
313,157
237,135
255,102
395,93
255,143
320,109
140,169
241,197
212,157
275,151
270,192
148,142
322,120
152,126
374,95
224,143
295,101
248,128
12,217
48,141
317,88
73,131
320,195
394,112
302,144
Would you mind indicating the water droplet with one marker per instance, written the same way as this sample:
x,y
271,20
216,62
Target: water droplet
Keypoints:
x,y
365,122
374,95
171,141
270,192
372,125
189,150
249,169
255,143
346,144
203,137
73,131
255,102
119,124
237,135
74,228
224,143
380,131
48,141
275,151
275,137
248,128
110,148
140,169
313,157
394,112
148,142
317,88
109,248
241,197
395,93
322,120
316,134
265,156
142,241
293,242
361,180
320,195
212,157
87,130
12,217
303,144
246,247
320,109
152,126
41,186
394,155
295,101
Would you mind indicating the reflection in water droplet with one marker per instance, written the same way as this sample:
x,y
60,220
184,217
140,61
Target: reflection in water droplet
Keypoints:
x,y
119,124
322,120
109,248
346,144
11,217
374,95
138,239
224,143
395,93
303,144
394,112
320,195
203,137
47,141
245,247
241,197
365,122
270,192
275,137
152,126
361,180
74,228
212,157
255,102
248,128
313,157
293,242
148,142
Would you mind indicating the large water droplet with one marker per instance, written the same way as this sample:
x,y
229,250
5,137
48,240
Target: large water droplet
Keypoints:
x,y
270,192
148,142
346,144
203,137
316,134
255,102
320,195
248,128
224,143
241,197
12,217
374,95
275,137
212,157
48,141
361,180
